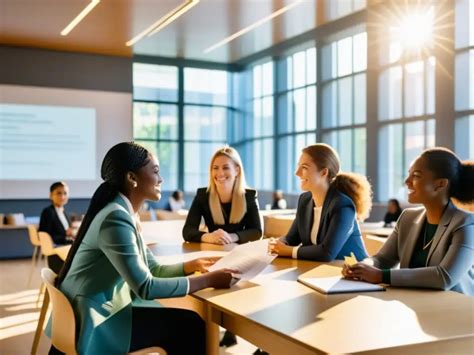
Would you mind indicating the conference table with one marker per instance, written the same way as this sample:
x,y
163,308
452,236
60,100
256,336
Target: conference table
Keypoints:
x,y
282,316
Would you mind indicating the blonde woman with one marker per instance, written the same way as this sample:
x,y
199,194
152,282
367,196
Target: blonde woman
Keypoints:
x,y
229,209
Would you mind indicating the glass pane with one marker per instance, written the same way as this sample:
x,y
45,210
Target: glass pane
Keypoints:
x,y
282,70
390,46
155,82
299,109
414,141
145,120
289,73
464,142
286,165
267,116
267,78
203,86
299,65
331,138
311,105
430,85
345,101
360,151
257,81
344,56
390,93
285,113
344,148
311,65
205,123
464,87
238,127
414,89
430,133
263,164
360,100
390,163
464,23
197,157
257,118
329,61
329,103
360,52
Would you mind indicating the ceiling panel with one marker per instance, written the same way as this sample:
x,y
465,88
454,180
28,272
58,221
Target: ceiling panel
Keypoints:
x,y
38,23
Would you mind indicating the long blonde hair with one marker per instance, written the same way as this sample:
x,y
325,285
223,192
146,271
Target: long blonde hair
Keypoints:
x,y
239,204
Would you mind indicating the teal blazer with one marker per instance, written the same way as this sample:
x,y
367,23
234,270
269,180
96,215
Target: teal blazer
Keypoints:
x,y
111,272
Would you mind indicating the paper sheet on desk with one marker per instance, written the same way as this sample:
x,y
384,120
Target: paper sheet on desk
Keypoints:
x,y
250,259
181,258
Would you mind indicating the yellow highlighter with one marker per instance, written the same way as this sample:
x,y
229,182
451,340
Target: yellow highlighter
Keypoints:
x,y
350,260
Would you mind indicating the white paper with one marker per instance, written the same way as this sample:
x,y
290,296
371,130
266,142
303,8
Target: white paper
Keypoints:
x,y
181,258
337,284
250,259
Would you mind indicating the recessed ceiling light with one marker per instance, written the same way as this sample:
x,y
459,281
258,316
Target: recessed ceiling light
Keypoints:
x,y
252,26
79,17
164,21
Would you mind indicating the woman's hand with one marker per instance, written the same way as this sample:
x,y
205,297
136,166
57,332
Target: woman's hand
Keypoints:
x,y
219,236
200,265
363,272
276,246
224,278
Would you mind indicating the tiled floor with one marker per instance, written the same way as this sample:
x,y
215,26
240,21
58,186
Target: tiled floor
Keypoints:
x,y
19,312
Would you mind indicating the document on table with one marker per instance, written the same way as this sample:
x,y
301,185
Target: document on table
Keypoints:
x,y
181,258
250,259
327,279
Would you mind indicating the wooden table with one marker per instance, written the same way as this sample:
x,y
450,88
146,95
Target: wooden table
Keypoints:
x,y
283,316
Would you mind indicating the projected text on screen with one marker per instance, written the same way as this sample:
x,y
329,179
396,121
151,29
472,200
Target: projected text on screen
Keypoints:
x,y
47,142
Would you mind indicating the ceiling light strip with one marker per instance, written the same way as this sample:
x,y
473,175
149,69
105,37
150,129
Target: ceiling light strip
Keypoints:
x,y
252,26
164,21
79,17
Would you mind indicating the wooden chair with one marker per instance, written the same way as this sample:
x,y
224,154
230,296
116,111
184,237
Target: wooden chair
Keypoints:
x,y
34,239
63,327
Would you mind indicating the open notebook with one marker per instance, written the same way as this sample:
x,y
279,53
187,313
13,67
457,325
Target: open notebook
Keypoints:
x,y
327,279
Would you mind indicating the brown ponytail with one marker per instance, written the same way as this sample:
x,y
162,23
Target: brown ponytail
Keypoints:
x,y
353,185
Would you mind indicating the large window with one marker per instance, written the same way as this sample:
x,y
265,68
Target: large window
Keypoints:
x,y
464,79
406,107
343,80
155,116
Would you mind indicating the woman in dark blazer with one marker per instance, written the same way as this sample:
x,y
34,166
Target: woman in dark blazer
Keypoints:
x,y
433,245
111,277
326,224
230,211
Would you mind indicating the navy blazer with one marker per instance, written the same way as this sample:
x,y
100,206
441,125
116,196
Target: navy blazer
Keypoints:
x,y
338,233
248,229
50,223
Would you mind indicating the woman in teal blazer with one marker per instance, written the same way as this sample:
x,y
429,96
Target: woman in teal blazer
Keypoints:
x,y
111,278
433,245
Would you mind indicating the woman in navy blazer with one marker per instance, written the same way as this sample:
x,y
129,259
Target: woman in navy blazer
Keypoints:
x,y
326,224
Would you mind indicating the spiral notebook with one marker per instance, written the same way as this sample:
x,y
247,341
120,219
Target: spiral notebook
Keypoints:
x,y
327,279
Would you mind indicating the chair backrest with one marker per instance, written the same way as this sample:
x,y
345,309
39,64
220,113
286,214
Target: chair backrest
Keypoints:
x,y
15,219
46,242
33,234
63,331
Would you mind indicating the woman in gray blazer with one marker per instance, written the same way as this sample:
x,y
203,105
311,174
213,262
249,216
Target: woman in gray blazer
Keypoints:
x,y
112,279
433,244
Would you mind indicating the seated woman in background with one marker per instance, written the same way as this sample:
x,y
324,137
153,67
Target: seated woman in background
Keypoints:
x,y
110,273
56,222
393,212
433,244
230,210
326,227
279,203
176,201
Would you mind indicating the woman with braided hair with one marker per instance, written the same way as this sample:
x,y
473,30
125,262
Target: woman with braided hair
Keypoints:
x,y
111,278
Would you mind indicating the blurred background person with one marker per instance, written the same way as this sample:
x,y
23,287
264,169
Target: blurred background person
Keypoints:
x,y
393,212
279,202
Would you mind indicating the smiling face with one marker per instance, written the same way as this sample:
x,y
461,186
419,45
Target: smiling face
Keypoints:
x,y
422,186
149,180
224,172
311,177
59,196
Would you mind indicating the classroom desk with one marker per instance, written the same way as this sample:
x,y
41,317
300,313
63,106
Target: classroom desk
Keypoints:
x,y
283,316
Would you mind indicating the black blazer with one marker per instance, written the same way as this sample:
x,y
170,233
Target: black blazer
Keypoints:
x,y
249,228
49,222
338,233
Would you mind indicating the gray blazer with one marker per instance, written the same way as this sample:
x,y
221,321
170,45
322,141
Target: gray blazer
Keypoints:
x,y
450,259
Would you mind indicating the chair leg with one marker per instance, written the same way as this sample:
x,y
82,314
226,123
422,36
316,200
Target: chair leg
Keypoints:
x,y
39,327
41,292
33,265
